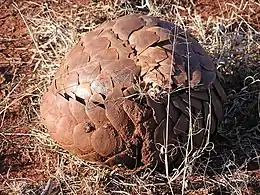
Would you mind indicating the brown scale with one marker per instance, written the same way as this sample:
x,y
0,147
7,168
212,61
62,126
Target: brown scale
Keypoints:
x,y
142,39
108,100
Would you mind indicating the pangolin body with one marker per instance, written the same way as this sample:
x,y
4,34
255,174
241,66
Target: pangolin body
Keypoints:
x,y
124,88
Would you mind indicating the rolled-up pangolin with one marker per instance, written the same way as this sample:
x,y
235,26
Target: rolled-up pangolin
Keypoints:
x,y
122,95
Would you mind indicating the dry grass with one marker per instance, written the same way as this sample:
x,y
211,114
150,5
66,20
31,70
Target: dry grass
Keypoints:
x,y
234,46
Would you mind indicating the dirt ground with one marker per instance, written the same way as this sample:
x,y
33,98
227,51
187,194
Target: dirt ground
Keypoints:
x,y
26,163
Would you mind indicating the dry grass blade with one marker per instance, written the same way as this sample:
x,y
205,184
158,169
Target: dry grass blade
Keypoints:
x,y
48,188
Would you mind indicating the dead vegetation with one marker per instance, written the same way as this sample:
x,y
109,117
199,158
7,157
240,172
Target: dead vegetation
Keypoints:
x,y
31,163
